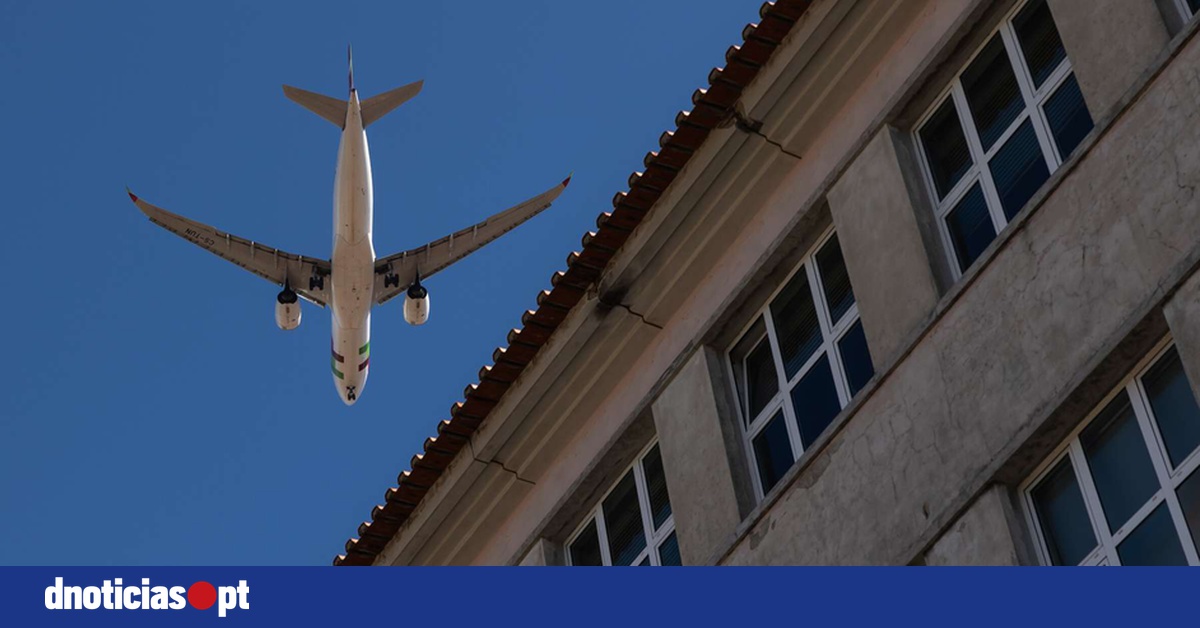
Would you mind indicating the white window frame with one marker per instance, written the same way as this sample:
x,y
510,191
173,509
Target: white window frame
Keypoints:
x,y
1184,10
1107,542
831,334
1034,101
654,538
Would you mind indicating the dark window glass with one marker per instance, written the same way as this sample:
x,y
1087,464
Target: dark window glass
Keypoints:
x,y
1189,501
815,400
623,522
1040,43
644,562
1153,543
668,552
992,92
796,324
656,487
1064,518
772,452
1121,467
1194,5
856,358
970,227
585,551
754,370
834,278
1174,406
945,148
1068,116
1019,169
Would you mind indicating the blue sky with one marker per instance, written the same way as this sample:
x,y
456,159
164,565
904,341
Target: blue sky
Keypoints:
x,y
150,411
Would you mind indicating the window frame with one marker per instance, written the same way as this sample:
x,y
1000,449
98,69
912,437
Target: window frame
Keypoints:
x,y
654,538
1185,11
832,333
1169,480
1034,101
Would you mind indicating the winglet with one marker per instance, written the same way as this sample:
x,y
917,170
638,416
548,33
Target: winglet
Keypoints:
x,y
567,181
132,196
350,63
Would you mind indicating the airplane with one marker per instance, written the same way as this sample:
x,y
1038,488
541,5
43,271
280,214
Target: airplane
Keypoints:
x,y
353,280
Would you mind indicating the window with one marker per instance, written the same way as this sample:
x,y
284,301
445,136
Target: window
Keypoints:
x,y
1009,119
633,524
1189,8
1124,489
799,363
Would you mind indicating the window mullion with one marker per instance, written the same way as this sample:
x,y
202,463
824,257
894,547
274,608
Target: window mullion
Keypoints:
x,y
789,415
643,494
1041,128
979,157
1083,475
602,534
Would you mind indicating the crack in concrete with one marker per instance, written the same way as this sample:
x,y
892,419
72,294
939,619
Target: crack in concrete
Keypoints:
x,y
498,463
754,127
640,316
501,465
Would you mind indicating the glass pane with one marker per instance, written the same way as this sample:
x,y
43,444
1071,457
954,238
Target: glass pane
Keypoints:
x,y
773,452
1068,116
856,358
623,522
945,148
834,278
656,486
1189,501
1153,543
644,562
1174,406
796,325
1040,43
668,552
1121,467
754,371
1194,5
1019,169
815,400
992,92
1063,516
585,551
970,227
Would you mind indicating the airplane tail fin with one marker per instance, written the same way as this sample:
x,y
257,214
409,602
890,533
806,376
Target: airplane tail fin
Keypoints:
x,y
376,107
332,109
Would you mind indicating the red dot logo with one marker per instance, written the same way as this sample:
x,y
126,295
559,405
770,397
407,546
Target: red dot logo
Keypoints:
x,y
202,595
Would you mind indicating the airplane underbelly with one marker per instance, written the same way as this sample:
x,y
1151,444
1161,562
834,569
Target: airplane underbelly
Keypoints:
x,y
350,362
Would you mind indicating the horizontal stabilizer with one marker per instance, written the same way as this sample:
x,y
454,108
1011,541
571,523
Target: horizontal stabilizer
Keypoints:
x,y
376,107
332,109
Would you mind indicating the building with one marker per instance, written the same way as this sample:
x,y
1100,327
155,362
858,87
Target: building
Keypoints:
x,y
912,283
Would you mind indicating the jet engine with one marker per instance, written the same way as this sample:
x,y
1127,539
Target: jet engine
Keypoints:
x,y
416,304
287,309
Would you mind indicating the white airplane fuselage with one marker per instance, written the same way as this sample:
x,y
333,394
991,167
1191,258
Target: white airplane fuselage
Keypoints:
x,y
353,259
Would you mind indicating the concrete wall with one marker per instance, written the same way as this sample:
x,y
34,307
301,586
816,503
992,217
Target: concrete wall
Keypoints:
x,y
1107,240
703,457
875,214
1110,43
543,553
985,534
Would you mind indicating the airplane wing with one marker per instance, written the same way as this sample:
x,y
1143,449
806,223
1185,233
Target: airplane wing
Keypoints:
x,y
305,275
395,273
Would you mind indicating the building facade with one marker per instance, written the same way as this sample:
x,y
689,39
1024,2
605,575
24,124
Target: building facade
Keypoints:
x,y
912,283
